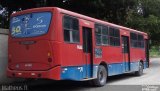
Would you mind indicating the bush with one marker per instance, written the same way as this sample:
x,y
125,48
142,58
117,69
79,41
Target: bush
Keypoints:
x,y
155,51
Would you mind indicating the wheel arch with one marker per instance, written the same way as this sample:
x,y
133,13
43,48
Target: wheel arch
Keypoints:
x,y
105,65
141,61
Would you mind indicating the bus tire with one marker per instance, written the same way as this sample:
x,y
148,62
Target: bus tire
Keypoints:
x,y
101,77
140,71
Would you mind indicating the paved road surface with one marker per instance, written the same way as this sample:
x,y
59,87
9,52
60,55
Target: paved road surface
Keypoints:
x,y
124,82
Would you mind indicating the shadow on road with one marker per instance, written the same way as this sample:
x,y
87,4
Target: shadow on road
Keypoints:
x,y
66,85
121,77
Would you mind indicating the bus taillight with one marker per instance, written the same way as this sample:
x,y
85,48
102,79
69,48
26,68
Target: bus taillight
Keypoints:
x,y
49,59
49,54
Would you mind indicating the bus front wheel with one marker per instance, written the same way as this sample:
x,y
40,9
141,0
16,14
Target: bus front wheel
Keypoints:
x,y
101,77
140,71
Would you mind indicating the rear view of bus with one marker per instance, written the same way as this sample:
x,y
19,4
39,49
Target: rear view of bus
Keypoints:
x,y
30,45
57,44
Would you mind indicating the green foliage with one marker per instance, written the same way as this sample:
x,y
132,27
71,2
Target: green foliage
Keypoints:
x,y
148,21
155,51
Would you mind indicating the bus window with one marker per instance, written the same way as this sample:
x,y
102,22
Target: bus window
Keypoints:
x,y
140,41
30,25
98,34
114,35
105,39
133,37
101,33
137,40
71,29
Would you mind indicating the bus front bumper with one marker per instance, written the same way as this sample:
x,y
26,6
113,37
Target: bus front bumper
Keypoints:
x,y
53,73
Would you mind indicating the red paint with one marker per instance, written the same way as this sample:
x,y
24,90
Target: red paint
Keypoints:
x,y
62,53
48,74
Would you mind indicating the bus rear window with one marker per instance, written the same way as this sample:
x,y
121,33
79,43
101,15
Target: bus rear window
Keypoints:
x,y
30,25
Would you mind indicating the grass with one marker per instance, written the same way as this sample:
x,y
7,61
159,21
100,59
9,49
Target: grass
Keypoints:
x,y
155,51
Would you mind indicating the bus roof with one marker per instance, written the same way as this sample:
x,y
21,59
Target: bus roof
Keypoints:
x,y
97,20
77,15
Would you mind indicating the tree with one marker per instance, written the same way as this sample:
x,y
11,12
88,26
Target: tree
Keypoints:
x,y
4,18
146,17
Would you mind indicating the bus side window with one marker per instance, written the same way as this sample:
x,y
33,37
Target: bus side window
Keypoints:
x,y
101,33
71,29
114,35
137,40
133,37
140,41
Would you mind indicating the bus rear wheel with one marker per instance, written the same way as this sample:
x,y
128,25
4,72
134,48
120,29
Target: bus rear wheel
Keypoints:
x,y
101,77
140,71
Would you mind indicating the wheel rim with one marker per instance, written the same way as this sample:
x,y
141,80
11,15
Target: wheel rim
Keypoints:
x,y
102,76
141,69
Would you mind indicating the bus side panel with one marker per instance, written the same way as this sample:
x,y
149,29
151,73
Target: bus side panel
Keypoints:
x,y
112,56
72,63
137,55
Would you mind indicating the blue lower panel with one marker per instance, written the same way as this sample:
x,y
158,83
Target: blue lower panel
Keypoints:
x,y
82,72
114,69
78,72
120,68
134,66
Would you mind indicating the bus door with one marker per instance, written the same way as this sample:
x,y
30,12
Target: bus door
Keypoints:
x,y
125,52
87,49
147,51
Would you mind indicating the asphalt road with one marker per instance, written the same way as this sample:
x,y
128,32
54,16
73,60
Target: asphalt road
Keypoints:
x,y
126,82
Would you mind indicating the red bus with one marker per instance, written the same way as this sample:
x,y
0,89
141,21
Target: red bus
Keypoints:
x,y
53,43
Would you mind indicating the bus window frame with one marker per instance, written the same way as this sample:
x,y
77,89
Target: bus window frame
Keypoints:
x,y
137,34
108,35
68,42
119,36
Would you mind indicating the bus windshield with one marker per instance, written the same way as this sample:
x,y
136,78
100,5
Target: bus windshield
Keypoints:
x,y
30,24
